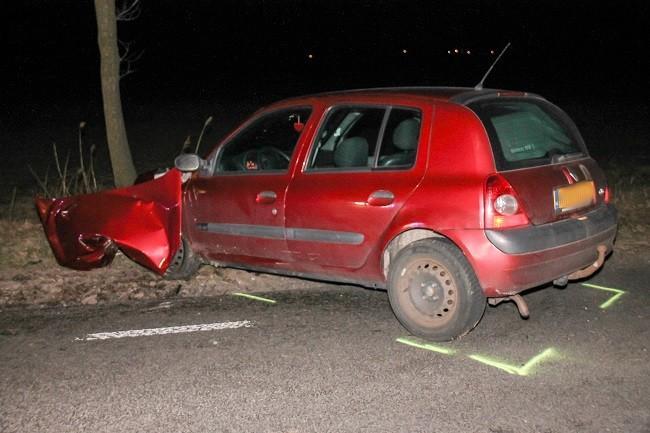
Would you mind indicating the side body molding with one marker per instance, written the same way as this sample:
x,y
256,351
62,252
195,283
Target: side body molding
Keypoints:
x,y
144,221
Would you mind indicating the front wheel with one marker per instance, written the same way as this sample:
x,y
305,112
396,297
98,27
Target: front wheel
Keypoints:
x,y
184,263
434,292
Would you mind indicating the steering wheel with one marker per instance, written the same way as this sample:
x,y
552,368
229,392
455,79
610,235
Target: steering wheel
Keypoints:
x,y
265,158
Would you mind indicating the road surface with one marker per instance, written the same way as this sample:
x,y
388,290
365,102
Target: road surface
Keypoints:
x,y
331,360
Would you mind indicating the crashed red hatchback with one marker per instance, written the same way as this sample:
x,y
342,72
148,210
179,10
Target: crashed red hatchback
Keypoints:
x,y
446,197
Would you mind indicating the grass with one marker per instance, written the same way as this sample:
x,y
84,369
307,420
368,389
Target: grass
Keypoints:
x,y
81,180
631,186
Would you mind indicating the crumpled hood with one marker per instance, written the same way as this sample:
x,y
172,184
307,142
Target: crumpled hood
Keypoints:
x,y
144,221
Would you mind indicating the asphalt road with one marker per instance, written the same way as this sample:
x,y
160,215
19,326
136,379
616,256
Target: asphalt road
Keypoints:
x,y
328,360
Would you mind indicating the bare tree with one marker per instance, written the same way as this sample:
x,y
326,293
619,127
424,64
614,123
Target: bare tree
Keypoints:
x,y
118,146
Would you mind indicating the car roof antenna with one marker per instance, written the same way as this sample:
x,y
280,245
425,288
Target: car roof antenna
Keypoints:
x,y
479,86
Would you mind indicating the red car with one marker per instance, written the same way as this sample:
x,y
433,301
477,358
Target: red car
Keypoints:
x,y
446,197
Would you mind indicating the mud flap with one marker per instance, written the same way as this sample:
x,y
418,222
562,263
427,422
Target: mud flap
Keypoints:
x,y
144,221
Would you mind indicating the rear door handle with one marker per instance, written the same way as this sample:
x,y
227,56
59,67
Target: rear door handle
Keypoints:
x,y
265,197
381,197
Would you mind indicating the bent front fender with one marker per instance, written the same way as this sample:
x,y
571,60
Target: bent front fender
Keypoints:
x,y
144,221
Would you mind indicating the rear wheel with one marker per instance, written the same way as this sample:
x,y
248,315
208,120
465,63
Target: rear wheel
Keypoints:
x,y
184,263
433,290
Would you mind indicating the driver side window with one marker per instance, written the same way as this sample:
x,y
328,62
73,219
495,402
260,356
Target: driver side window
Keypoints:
x,y
266,144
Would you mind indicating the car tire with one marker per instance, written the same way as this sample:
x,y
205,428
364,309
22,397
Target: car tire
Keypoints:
x,y
184,263
433,290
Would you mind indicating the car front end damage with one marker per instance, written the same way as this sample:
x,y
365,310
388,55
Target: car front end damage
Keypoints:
x,y
143,221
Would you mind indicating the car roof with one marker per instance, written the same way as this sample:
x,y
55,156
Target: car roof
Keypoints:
x,y
458,95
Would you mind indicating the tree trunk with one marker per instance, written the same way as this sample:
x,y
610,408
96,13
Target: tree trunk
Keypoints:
x,y
118,145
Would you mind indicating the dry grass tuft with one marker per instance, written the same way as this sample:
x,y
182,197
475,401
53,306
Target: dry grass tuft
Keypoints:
x,y
631,187
81,180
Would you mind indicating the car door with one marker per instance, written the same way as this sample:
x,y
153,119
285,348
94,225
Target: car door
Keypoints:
x,y
235,213
363,164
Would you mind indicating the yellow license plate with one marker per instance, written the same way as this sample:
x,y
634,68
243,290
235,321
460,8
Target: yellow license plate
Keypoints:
x,y
576,196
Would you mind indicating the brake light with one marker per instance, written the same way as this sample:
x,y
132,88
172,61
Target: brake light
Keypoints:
x,y
503,208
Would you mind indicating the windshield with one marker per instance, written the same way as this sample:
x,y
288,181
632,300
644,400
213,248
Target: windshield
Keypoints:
x,y
528,132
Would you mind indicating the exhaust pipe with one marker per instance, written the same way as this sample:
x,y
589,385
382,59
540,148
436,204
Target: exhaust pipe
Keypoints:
x,y
522,306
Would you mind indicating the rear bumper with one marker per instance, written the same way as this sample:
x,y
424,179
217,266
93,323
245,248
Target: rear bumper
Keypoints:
x,y
514,260
553,235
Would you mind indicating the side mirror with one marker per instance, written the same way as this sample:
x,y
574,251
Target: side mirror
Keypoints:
x,y
187,162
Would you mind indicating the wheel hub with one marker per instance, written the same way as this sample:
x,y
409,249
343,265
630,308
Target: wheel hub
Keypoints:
x,y
431,290
426,292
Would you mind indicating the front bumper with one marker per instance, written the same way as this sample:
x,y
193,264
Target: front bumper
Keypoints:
x,y
144,221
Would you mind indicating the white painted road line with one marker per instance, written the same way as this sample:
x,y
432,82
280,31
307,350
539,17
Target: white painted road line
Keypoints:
x,y
169,330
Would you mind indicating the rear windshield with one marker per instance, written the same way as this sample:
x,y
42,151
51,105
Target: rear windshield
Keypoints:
x,y
528,132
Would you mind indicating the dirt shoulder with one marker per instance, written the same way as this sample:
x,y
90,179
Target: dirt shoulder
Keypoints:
x,y
29,274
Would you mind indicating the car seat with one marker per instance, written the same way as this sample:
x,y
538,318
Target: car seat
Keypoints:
x,y
405,138
351,152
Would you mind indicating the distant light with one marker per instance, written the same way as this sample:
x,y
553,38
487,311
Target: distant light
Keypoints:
x,y
448,51
491,51
469,52
404,51
456,50
310,56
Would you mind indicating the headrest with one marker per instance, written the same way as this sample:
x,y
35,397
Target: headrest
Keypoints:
x,y
352,152
405,136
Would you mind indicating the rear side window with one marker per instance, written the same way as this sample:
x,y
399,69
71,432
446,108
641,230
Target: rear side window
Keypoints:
x,y
527,133
365,138
348,138
400,141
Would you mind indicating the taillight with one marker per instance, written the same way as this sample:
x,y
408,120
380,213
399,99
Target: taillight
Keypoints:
x,y
503,208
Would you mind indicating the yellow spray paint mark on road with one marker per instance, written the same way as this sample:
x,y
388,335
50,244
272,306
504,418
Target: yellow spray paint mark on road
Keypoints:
x,y
426,346
255,298
610,301
524,370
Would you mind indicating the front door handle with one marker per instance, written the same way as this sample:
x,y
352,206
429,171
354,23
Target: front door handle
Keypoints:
x,y
265,197
381,198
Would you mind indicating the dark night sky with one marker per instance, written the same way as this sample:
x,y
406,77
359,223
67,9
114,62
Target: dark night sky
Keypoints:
x,y
227,57
211,48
